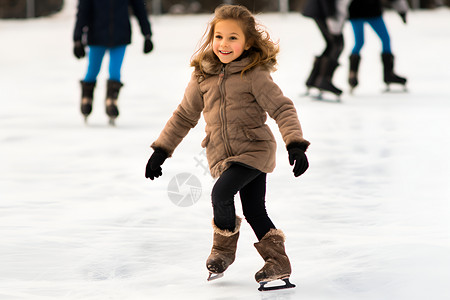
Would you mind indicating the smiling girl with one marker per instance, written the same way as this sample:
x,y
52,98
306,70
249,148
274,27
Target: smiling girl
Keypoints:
x,y
231,85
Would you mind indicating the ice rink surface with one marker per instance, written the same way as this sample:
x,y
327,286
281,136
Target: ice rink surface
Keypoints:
x,y
369,220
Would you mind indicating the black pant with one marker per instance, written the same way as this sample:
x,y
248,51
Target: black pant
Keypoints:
x,y
334,43
251,185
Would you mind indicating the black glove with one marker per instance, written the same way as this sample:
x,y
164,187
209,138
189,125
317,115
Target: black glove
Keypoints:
x,y
148,45
153,169
297,155
78,50
403,16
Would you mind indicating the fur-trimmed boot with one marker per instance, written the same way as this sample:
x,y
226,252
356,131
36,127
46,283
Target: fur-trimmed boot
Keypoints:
x,y
353,72
87,97
223,251
388,70
112,93
271,249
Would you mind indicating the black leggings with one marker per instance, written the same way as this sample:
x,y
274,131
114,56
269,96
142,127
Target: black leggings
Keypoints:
x,y
251,185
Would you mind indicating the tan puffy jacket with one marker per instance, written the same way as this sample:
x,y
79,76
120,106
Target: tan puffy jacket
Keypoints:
x,y
234,108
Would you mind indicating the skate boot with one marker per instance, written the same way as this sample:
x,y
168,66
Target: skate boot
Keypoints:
x,y
310,82
353,73
112,93
388,75
87,97
323,82
277,265
223,251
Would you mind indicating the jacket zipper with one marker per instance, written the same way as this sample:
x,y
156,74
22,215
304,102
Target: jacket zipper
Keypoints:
x,y
223,117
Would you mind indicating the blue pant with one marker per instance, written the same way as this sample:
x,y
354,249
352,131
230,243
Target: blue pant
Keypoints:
x,y
378,26
96,54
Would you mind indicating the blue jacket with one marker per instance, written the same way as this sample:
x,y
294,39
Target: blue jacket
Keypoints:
x,y
107,22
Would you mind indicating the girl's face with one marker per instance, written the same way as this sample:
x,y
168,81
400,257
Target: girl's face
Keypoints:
x,y
228,41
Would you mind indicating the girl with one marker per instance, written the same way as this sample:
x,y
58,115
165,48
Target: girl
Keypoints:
x,y
108,29
232,86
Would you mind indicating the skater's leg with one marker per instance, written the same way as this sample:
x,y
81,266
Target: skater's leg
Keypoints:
x,y
224,190
312,78
358,33
387,57
254,206
380,29
96,54
116,56
326,36
225,223
338,46
329,58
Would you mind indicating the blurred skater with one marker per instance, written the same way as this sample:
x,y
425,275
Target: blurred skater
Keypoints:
x,y
232,88
370,11
104,25
329,16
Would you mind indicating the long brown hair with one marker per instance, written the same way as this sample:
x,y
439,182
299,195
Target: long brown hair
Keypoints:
x,y
262,51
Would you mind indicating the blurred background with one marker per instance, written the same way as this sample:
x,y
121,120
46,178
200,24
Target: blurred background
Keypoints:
x,y
39,8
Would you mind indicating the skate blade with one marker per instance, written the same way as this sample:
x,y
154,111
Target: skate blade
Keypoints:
x,y
307,92
352,89
112,122
214,276
388,90
264,288
321,97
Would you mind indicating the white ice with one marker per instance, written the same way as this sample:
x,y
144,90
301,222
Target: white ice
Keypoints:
x,y
369,220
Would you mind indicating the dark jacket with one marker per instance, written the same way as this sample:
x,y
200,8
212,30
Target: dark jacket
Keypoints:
x,y
365,9
319,9
360,9
108,22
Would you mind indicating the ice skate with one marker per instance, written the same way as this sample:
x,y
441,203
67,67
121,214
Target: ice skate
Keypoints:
x,y
310,82
87,97
389,76
323,82
223,252
353,72
111,110
277,265
112,93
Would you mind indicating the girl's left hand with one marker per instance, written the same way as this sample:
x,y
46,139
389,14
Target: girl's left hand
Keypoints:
x,y
298,156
